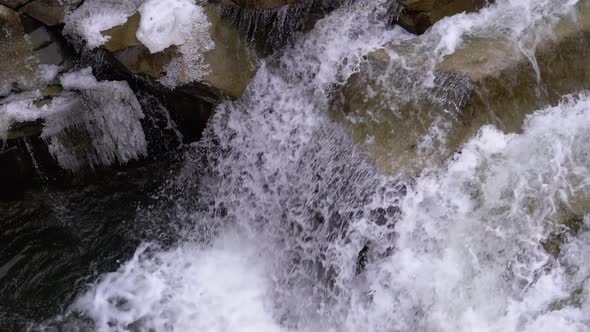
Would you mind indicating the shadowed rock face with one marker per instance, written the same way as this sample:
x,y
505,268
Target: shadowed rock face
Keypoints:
x,y
258,4
419,15
50,12
13,3
269,28
487,81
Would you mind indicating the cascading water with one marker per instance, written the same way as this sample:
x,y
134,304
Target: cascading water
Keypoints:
x,y
286,225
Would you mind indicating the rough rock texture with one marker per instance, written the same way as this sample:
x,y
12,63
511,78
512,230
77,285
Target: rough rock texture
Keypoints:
x,y
485,82
419,15
270,28
13,3
18,66
230,64
258,4
28,50
50,12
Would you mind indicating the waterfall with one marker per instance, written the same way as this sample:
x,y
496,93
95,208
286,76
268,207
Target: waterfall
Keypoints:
x,y
288,225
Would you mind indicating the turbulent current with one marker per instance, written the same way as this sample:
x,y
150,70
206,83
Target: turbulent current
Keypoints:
x,y
282,223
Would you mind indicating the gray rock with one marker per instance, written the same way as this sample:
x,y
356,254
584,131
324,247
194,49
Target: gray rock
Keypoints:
x,y
51,54
40,37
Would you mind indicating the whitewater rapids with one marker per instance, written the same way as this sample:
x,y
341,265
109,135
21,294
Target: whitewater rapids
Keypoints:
x,y
497,239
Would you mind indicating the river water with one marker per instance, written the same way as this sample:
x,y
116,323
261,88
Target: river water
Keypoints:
x,y
278,221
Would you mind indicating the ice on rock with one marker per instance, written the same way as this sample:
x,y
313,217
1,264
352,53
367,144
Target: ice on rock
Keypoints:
x,y
163,23
14,112
94,16
166,22
182,23
109,114
91,124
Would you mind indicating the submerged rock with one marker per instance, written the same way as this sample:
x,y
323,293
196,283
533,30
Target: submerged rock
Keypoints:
x,y
410,118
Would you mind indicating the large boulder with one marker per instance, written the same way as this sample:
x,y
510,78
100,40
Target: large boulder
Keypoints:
x,y
406,126
225,64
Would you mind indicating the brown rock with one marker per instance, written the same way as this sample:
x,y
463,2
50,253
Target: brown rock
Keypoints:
x,y
17,65
231,62
487,81
230,65
123,36
50,12
419,15
139,60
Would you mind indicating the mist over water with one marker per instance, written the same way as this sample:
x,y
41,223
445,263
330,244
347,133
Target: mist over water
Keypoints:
x,y
287,225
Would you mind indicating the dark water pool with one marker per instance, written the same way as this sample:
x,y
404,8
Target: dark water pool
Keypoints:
x,y
55,239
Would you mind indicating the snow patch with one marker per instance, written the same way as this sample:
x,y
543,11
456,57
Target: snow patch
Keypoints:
x,y
86,23
166,22
182,23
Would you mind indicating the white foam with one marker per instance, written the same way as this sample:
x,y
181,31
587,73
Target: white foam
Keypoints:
x,y
464,253
221,288
469,254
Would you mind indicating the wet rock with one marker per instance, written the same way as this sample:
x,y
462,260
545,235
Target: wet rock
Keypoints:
x,y
257,4
406,127
50,12
13,3
40,37
17,65
270,28
29,49
229,64
419,15
123,36
51,54
139,60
